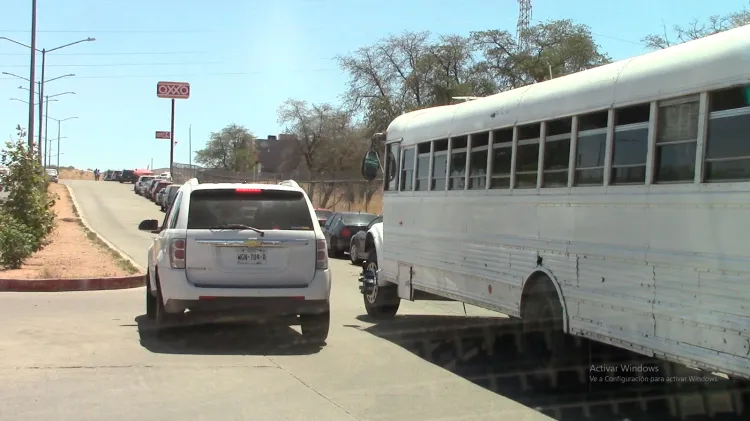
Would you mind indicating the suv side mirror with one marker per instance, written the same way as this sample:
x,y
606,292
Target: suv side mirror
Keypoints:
x,y
150,225
370,165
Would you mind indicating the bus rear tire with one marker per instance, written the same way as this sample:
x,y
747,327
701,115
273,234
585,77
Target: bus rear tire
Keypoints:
x,y
545,344
384,301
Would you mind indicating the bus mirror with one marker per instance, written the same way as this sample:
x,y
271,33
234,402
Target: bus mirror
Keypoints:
x,y
370,165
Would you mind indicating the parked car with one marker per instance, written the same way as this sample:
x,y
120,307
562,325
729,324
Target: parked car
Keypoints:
x,y
357,250
231,251
340,228
128,176
168,198
157,188
52,175
323,215
146,187
160,195
137,187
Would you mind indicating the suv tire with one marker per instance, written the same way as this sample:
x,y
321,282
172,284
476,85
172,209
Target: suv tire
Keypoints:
x,y
150,300
315,327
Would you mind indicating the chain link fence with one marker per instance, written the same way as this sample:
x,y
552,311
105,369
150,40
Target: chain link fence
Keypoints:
x,y
334,191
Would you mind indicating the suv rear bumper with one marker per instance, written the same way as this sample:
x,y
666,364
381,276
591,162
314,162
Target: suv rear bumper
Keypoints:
x,y
179,294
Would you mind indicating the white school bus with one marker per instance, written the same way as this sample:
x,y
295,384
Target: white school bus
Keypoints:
x,y
611,204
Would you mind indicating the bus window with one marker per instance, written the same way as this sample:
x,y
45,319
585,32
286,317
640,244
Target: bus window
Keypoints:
x,y
727,146
557,153
630,144
676,141
407,169
502,153
527,156
423,166
391,165
458,163
590,149
439,164
478,161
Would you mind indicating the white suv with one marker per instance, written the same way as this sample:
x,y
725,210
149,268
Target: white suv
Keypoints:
x,y
239,250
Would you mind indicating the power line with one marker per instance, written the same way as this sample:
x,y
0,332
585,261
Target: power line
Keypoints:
x,y
125,31
120,64
199,74
150,53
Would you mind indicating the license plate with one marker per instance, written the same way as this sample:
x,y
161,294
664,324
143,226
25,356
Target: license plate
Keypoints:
x,y
252,258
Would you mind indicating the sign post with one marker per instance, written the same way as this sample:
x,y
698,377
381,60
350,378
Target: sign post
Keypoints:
x,y
172,90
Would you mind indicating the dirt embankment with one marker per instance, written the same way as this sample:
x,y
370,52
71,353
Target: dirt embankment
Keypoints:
x,y
74,174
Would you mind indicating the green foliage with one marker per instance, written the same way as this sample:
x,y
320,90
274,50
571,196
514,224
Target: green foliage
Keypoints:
x,y
415,70
27,214
697,29
232,149
16,241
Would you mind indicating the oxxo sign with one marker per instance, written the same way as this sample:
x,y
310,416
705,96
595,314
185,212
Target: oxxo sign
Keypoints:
x,y
174,90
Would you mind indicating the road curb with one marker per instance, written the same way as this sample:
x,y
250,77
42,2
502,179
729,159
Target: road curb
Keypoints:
x,y
74,284
103,240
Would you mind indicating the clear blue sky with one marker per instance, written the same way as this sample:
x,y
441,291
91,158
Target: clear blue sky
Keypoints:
x,y
243,58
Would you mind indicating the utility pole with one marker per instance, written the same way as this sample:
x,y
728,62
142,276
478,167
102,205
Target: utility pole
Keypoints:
x,y
41,105
46,139
41,95
32,77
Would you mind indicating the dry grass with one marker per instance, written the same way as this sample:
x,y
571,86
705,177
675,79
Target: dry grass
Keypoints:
x,y
68,174
73,252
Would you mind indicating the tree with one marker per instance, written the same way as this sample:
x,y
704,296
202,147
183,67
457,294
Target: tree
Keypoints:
x,y
697,29
325,134
232,149
26,217
414,70
328,141
555,48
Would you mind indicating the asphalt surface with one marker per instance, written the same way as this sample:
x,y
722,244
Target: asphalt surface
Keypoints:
x,y
91,356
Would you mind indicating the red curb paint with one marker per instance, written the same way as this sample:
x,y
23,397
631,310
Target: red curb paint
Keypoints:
x,y
77,284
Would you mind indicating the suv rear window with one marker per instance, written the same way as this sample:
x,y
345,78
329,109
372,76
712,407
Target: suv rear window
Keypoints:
x,y
358,218
263,209
324,214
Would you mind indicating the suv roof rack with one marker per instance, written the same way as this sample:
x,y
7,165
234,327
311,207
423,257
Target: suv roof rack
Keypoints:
x,y
289,183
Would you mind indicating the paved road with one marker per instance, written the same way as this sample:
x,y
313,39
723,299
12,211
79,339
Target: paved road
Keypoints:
x,y
89,356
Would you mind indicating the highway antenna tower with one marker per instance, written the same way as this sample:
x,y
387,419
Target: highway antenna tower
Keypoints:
x,y
524,20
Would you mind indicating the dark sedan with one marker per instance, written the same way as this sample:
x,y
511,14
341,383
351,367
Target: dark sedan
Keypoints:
x,y
341,227
357,251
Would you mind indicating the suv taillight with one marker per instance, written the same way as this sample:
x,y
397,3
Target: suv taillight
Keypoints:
x,y
177,253
321,255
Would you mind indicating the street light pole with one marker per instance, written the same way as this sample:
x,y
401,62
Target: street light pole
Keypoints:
x,y
41,104
32,47
59,129
47,146
32,69
41,95
46,139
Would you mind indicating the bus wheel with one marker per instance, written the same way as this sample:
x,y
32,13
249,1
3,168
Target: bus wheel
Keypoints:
x,y
383,301
544,342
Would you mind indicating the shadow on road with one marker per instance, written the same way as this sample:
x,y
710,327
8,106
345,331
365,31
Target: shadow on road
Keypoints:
x,y
486,352
224,339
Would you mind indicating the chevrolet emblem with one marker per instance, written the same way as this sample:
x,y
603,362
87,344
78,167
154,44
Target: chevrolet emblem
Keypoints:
x,y
253,243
